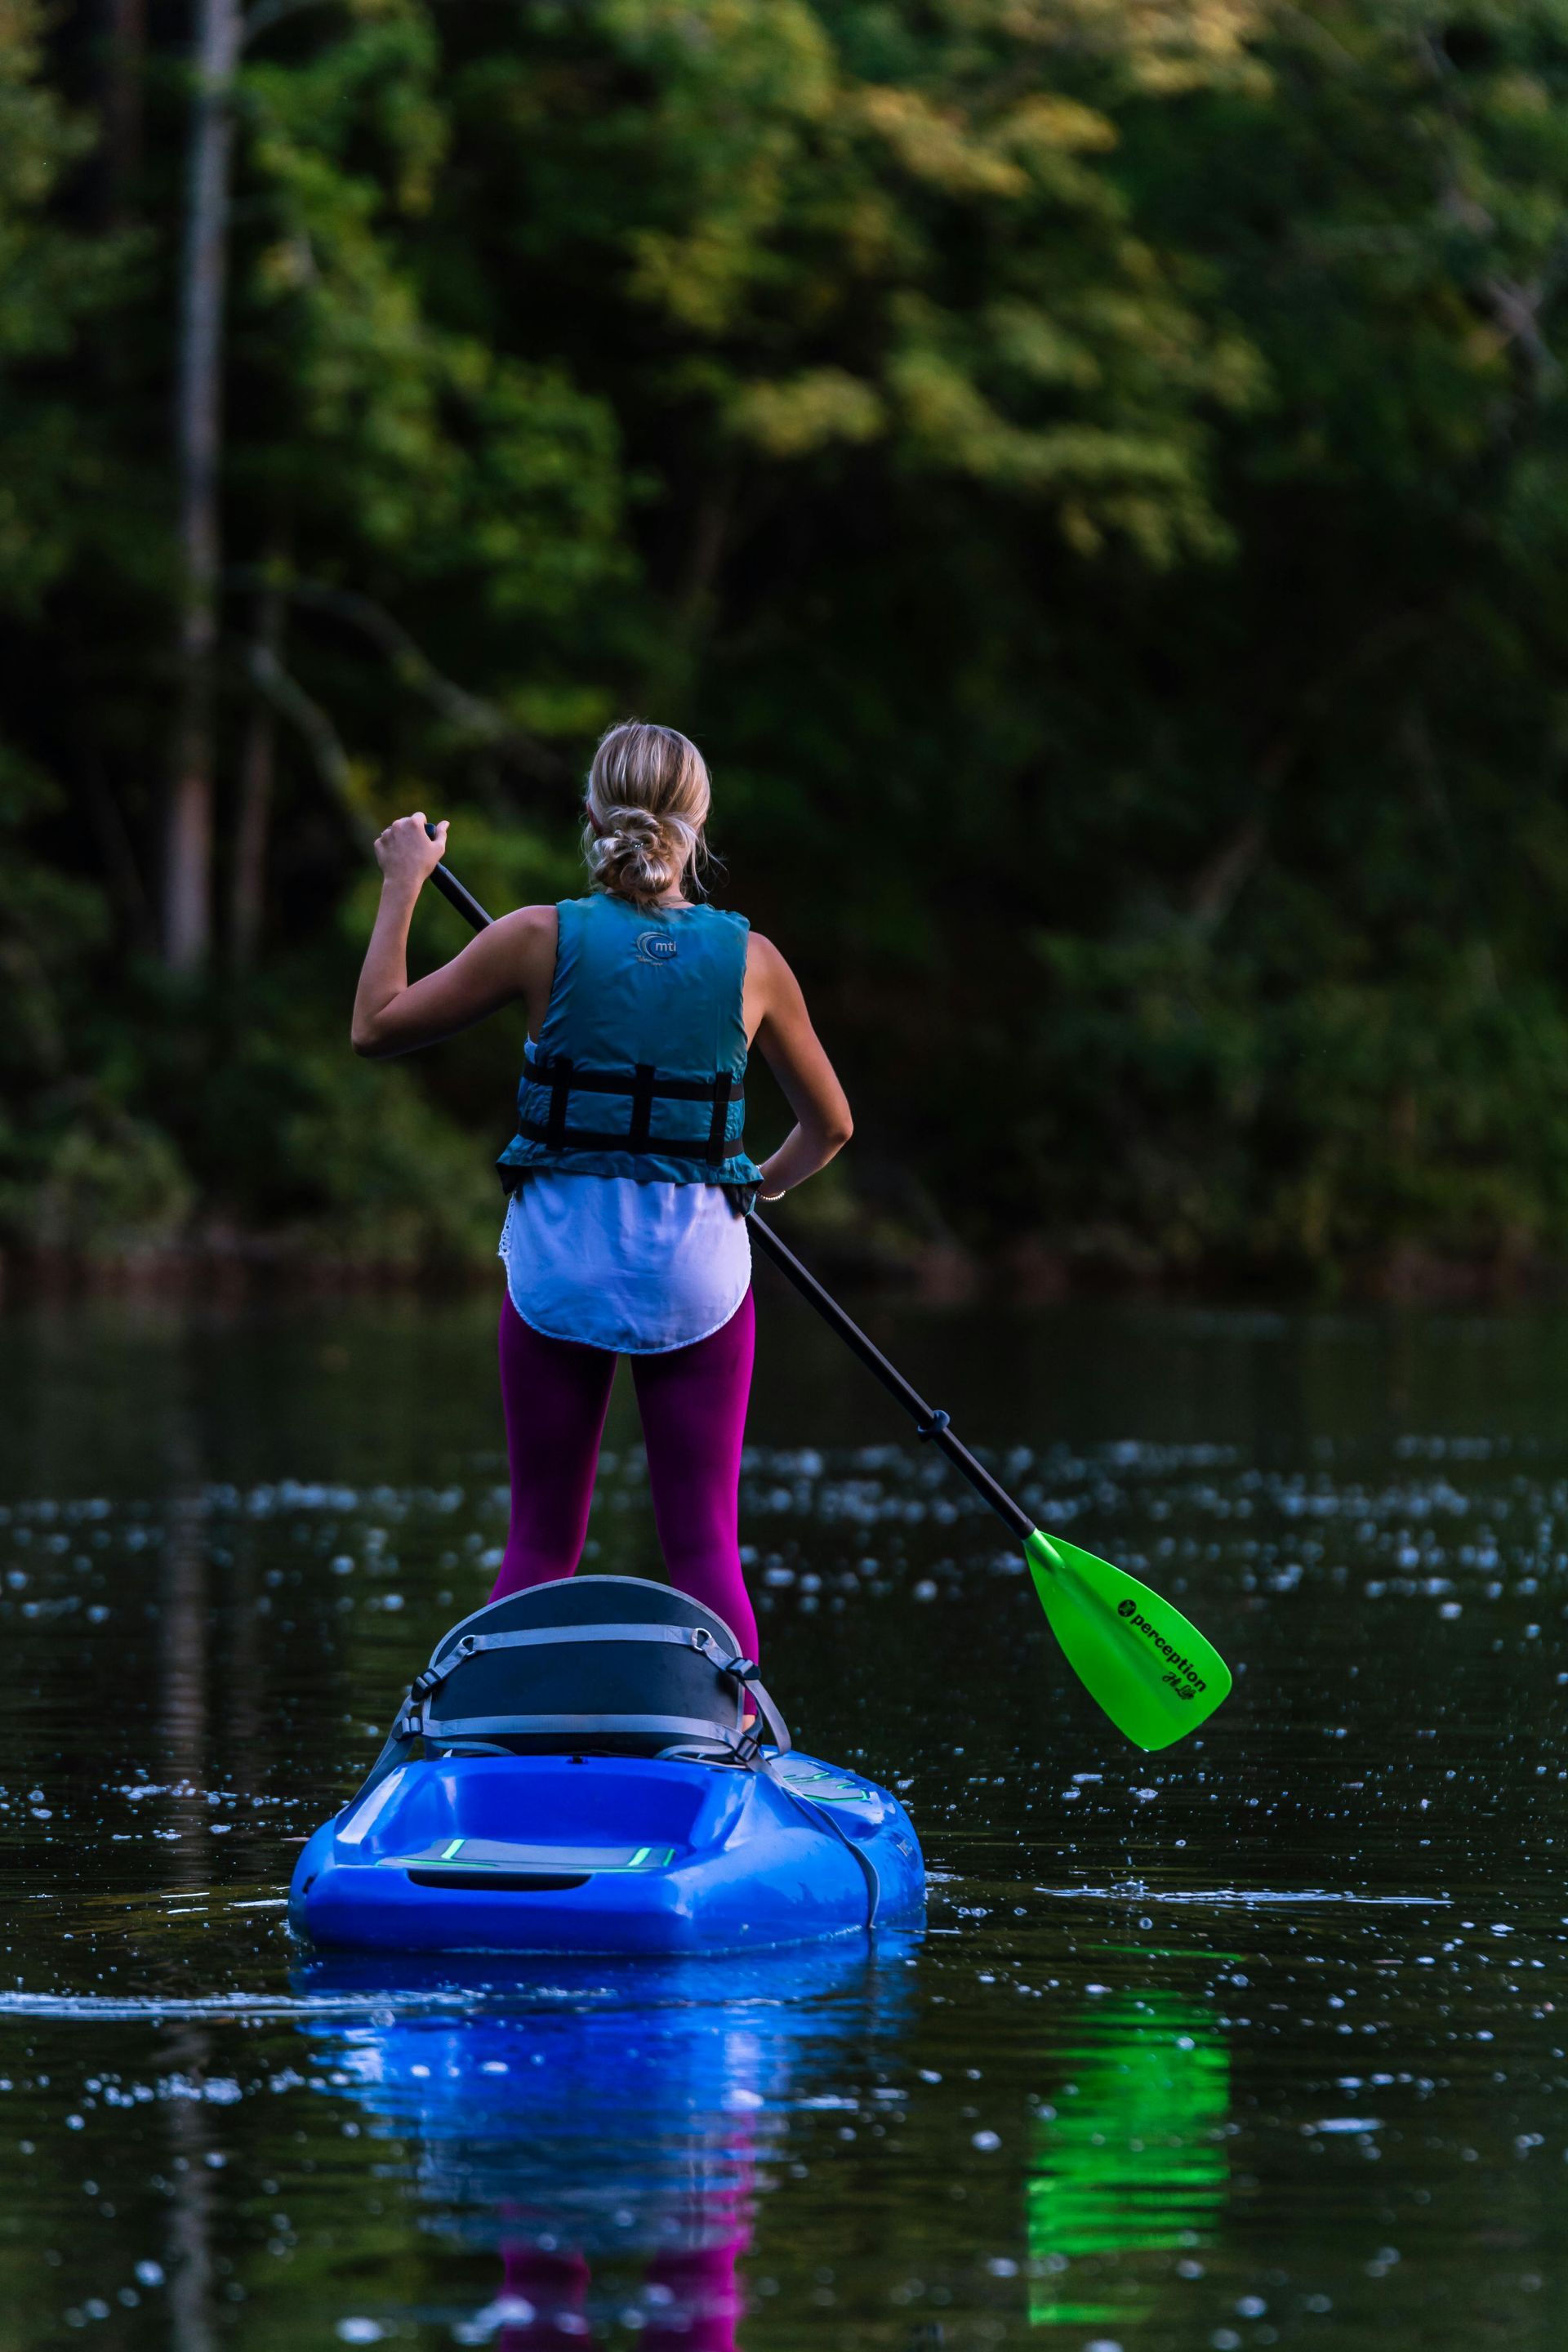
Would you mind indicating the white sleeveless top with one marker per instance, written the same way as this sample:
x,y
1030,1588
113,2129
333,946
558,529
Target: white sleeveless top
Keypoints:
x,y
610,1263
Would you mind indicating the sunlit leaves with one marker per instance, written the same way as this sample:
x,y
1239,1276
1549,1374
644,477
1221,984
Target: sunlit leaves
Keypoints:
x,y
808,412
927,222
437,448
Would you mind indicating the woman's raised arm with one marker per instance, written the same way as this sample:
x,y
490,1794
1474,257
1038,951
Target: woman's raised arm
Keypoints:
x,y
514,958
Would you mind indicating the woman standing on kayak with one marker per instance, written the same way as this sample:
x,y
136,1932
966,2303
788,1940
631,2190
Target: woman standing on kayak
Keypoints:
x,y
624,1231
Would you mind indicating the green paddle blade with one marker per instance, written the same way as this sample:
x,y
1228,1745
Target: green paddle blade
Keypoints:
x,y
1152,1672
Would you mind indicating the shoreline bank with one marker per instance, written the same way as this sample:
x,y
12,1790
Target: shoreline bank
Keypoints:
x,y
237,1269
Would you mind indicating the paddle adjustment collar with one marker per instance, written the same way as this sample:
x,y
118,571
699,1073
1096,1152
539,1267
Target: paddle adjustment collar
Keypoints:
x,y
938,1422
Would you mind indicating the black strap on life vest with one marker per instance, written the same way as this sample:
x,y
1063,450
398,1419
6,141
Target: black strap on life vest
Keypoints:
x,y
642,1106
560,1088
645,1088
717,1146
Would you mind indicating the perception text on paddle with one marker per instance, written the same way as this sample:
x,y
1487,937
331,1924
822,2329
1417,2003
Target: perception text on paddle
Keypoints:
x,y
1140,1624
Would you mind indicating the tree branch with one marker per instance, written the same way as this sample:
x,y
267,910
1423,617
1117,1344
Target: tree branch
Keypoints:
x,y
1219,880
475,719
286,694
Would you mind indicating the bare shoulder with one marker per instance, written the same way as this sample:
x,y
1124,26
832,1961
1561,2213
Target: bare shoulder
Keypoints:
x,y
527,932
765,966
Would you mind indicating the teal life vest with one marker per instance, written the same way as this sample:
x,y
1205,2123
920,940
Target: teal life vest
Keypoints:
x,y
640,1063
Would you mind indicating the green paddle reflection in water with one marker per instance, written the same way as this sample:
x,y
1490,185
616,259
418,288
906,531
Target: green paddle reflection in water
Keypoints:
x,y
1132,2162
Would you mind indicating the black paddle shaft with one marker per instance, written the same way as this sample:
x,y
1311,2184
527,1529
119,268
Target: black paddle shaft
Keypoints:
x,y
467,905
929,1423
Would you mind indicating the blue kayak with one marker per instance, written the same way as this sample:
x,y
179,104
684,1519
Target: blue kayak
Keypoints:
x,y
584,1768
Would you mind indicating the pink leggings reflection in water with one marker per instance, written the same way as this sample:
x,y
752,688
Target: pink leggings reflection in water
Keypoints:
x,y
693,1405
694,2309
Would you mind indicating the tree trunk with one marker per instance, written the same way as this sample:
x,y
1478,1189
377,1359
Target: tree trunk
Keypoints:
x,y
247,884
188,841
124,64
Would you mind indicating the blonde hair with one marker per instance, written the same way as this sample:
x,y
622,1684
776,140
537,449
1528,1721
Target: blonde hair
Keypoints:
x,y
646,801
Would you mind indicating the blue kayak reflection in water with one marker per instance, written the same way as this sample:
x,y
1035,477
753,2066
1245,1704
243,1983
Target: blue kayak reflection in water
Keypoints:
x,y
1129,2159
602,2125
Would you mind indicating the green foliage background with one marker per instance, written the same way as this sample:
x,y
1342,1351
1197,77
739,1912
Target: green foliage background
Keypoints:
x,y
1092,474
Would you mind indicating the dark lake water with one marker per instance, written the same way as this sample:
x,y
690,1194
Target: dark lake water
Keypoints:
x,y
1259,2042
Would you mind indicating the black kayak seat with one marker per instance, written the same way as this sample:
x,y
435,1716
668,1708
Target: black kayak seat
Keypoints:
x,y
610,1664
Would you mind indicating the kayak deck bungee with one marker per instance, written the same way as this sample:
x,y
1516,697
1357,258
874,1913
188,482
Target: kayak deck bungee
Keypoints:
x,y
589,1784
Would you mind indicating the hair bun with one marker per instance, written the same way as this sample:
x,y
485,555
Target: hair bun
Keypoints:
x,y
646,801
633,825
640,856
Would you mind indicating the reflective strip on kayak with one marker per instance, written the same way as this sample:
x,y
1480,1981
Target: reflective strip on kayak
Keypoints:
x,y
480,1854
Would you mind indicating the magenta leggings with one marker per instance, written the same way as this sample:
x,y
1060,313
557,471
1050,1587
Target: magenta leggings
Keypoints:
x,y
693,1405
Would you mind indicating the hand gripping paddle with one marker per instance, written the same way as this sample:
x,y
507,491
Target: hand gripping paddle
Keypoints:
x,y
1155,1676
